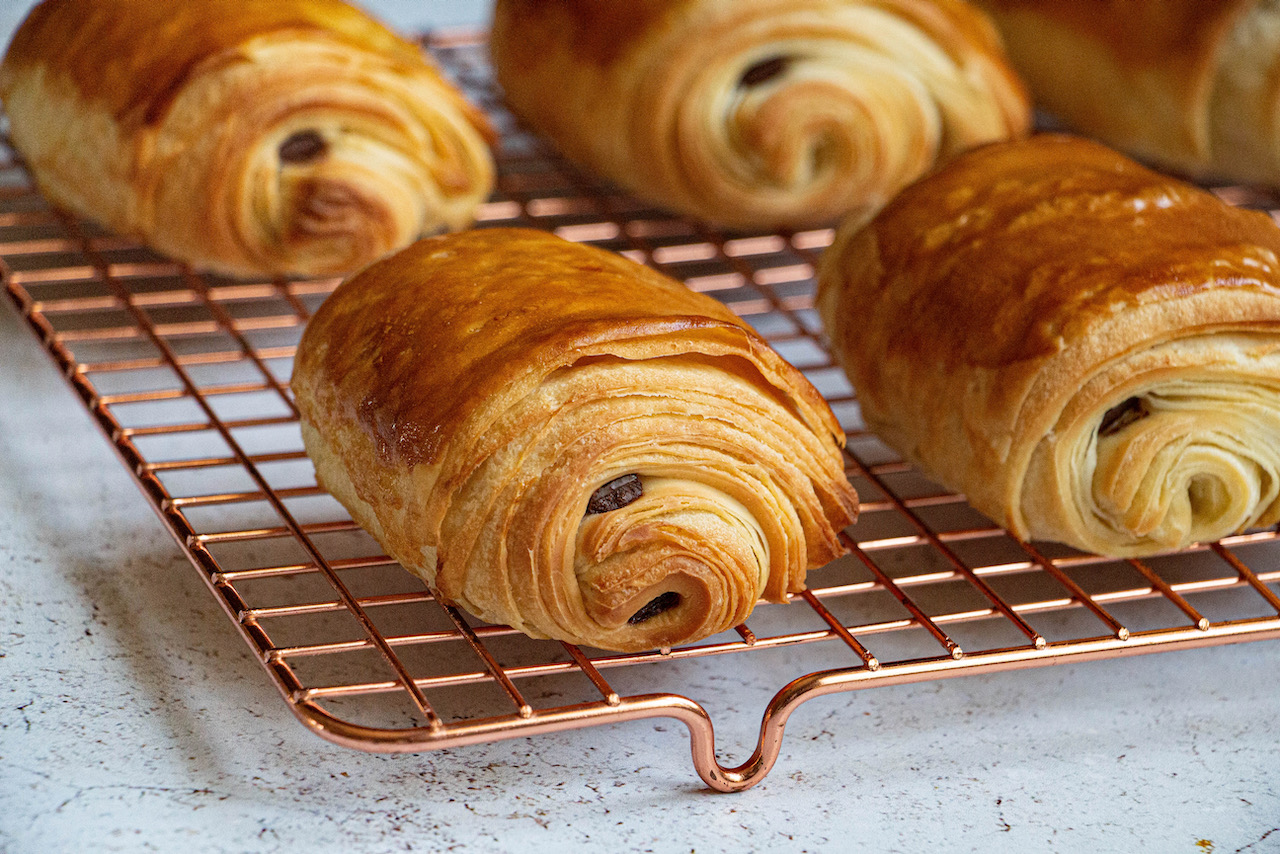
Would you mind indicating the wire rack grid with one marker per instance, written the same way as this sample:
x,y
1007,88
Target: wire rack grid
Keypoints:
x,y
187,376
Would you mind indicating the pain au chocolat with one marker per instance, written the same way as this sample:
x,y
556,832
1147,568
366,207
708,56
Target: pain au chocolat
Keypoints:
x,y
1193,85
1088,350
250,137
758,113
559,439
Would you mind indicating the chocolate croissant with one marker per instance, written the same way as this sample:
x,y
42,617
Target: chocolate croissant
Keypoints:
x,y
251,137
1090,351
559,439
758,113
1190,84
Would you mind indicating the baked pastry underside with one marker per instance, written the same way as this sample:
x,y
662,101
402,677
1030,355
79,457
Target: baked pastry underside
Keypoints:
x,y
187,374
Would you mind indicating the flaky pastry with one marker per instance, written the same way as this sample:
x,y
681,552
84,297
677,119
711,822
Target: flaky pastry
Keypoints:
x,y
1088,350
559,439
1193,85
758,113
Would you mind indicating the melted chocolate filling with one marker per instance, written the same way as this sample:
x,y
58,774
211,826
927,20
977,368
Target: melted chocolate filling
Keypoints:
x,y
303,146
764,70
657,605
618,492
1119,417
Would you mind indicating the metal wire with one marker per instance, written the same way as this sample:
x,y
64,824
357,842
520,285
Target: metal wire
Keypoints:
x,y
186,374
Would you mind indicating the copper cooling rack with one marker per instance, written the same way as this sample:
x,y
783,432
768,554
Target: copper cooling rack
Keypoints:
x,y
187,375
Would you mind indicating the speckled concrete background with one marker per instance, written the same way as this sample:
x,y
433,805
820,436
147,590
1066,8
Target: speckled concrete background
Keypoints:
x,y
132,718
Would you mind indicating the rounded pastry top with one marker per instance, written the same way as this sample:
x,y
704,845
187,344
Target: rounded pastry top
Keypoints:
x,y
98,49
495,307
601,31
1031,240
1149,32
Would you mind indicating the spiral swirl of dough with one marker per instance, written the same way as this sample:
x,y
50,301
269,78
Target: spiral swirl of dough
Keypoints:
x,y
759,114
1167,458
398,154
474,436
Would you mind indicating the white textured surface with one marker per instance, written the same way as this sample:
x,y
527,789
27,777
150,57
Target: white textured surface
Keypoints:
x,y
133,718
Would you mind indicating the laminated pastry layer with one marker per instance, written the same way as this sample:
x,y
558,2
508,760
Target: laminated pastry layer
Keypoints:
x,y
1193,85
764,113
250,138
561,440
1088,350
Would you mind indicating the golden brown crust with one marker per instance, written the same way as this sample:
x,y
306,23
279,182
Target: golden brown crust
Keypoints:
x,y
486,326
994,312
597,30
97,45
1064,200
600,31
760,114
1140,32
1149,76
165,122
466,396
